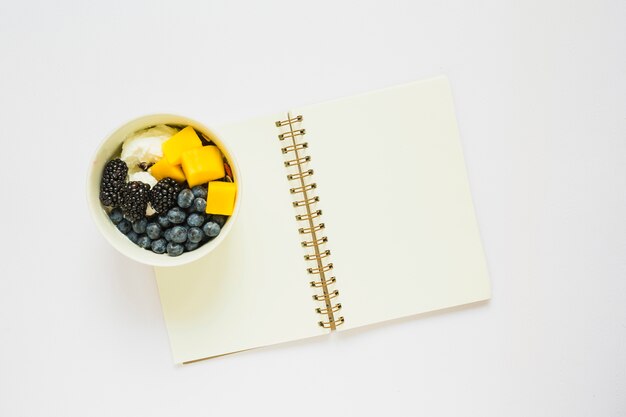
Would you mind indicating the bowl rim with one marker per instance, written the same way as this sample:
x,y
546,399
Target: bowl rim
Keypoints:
x,y
148,257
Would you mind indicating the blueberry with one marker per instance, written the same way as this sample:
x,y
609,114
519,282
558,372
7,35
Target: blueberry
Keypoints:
x,y
175,249
195,219
179,234
144,241
211,229
199,205
199,191
153,230
168,235
219,219
194,235
116,215
164,221
189,246
133,236
185,198
176,215
124,226
140,225
158,246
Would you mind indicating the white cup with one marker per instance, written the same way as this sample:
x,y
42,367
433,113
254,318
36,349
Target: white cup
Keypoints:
x,y
110,148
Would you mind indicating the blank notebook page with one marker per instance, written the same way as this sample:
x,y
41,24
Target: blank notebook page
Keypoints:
x,y
252,290
396,202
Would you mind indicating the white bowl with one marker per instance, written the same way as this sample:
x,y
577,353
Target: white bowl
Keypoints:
x,y
111,147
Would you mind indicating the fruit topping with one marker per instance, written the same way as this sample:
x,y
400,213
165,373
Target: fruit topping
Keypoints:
x,y
133,199
183,141
113,179
163,195
202,165
199,191
221,198
185,198
124,226
199,205
195,235
211,229
175,249
139,226
176,215
164,169
195,220
144,242
147,200
116,215
153,230
179,234
158,246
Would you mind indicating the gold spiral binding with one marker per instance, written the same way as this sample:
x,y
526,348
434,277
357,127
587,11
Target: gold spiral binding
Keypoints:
x,y
293,148
332,324
314,243
321,284
322,255
309,216
289,121
291,134
303,189
300,175
305,230
297,161
308,201
304,204
328,296
325,268
335,309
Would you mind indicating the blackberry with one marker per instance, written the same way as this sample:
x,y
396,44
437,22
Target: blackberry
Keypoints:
x,y
134,200
113,179
164,194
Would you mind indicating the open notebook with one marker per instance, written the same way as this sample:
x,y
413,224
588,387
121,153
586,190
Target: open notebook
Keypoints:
x,y
397,237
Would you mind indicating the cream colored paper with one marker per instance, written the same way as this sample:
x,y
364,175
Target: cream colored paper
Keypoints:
x,y
399,217
253,289
397,206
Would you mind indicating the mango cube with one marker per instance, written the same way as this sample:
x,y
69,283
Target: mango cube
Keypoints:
x,y
202,165
163,169
221,198
181,142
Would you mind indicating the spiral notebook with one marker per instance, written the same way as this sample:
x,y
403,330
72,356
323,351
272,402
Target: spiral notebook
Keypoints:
x,y
353,212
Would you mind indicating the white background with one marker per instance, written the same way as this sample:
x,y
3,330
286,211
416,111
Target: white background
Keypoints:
x,y
540,91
